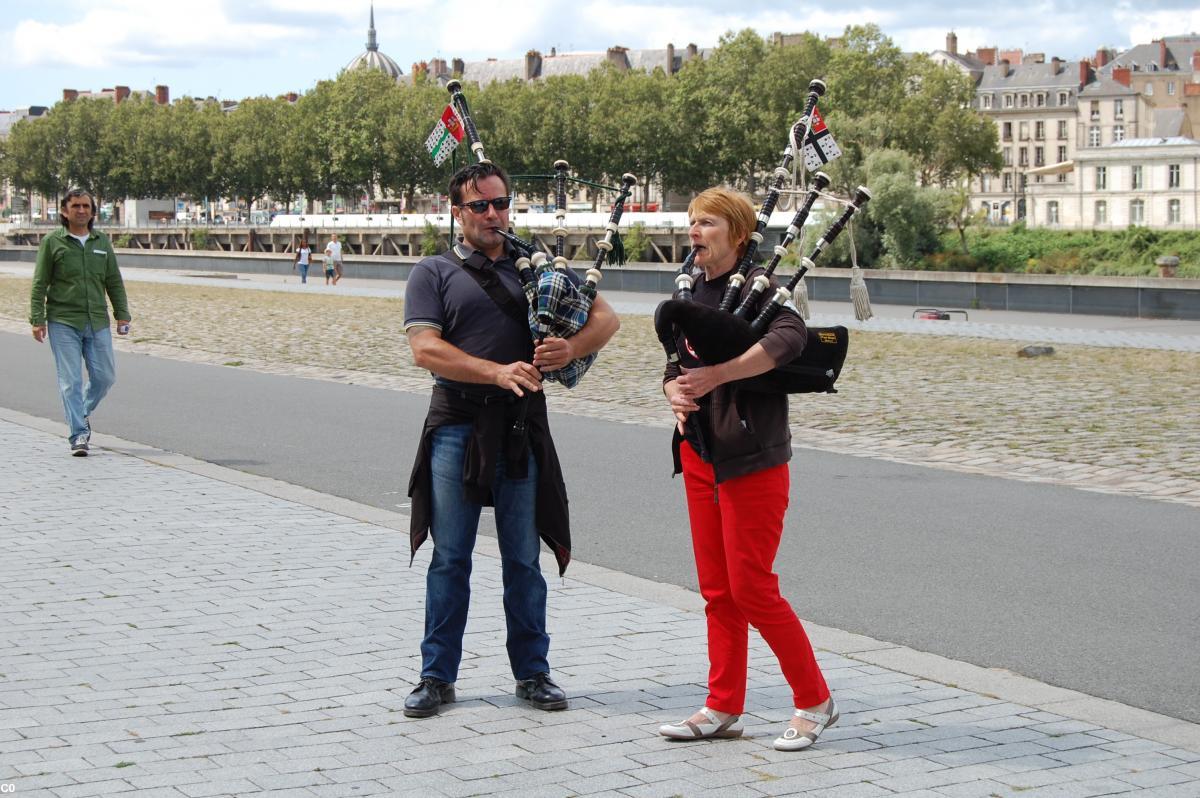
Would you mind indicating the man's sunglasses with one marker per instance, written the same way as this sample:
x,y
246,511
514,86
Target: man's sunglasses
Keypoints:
x,y
481,206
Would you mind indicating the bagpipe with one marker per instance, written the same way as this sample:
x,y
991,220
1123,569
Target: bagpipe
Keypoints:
x,y
557,307
722,334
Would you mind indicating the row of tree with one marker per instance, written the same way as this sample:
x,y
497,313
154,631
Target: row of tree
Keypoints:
x,y
723,119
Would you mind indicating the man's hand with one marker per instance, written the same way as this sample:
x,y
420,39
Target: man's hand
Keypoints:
x,y
553,353
515,376
39,332
123,327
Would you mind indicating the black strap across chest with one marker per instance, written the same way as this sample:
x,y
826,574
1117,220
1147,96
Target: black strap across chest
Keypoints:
x,y
489,281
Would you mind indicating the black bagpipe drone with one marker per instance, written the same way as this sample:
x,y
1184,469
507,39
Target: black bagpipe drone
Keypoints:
x,y
722,334
556,306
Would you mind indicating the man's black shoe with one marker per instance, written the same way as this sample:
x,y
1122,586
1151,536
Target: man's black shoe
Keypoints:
x,y
428,698
542,692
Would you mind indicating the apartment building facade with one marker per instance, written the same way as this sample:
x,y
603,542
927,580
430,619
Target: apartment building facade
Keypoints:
x,y
1099,143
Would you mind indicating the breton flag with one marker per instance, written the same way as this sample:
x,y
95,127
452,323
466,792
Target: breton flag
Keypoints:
x,y
820,148
445,136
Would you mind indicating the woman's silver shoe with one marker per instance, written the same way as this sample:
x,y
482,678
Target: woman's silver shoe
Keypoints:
x,y
796,740
686,730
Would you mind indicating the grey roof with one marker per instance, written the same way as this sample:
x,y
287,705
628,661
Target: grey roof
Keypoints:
x,y
569,64
1031,76
1147,56
1167,141
1104,86
373,59
502,69
1168,122
484,72
10,118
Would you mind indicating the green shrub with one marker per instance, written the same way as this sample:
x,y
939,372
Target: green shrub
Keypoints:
x,y
122,241
636,241
200,238
431,240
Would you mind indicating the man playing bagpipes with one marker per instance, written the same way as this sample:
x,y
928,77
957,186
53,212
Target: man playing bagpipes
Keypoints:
x,y
486,440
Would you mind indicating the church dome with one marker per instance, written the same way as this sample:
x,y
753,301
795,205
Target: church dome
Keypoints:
x,y
371,58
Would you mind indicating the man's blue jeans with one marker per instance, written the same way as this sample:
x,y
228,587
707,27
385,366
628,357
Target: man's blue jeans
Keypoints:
x,y
72,348
448,583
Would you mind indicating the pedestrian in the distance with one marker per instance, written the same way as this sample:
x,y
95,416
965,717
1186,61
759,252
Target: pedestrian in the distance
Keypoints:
x,y
334,252
301,261
76,269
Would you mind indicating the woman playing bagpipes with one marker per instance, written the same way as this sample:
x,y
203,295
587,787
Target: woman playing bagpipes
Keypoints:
x,y
732,445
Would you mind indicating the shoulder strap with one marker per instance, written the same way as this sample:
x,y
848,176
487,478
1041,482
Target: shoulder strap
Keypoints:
x,y
489,281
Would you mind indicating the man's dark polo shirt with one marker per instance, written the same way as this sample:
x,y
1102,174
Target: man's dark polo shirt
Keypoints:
x,y
442,296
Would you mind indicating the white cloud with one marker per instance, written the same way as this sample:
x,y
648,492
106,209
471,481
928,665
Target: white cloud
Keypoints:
x,y
141,32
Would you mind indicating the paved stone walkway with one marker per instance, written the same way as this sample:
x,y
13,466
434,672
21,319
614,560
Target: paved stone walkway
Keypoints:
x,y
172,628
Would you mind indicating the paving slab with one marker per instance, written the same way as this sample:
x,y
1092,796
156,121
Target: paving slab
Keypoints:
x,y
174,628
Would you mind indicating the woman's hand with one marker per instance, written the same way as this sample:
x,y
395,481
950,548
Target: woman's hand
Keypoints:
x,y
681,404
701,381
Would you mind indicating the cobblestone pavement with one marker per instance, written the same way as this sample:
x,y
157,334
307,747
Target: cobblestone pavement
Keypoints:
x,y
1103,417
169,631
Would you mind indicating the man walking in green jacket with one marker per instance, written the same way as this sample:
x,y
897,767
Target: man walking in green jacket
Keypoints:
x,y
75,270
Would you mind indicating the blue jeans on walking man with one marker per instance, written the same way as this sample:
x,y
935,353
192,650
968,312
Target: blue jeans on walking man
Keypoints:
x,y
448,581
72,349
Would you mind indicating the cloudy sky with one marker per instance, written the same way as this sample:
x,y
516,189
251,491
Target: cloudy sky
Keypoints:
x,y
238,48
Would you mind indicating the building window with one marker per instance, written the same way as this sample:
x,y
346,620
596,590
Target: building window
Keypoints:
x,y
1024,100
1135,178
1062,128
1023,156
1039,156
1064,97
1118,109
1171,87
1095,110
1118,133
1008,181
1024,182
1101,212
1051,212
1006,153
1006,131
1149,89
1173,213
1137,212
1101,178
987,101
1039,130
1008,101
1062,177
1062,153
1039,100
985,183
1094,136
1173,175
1024,131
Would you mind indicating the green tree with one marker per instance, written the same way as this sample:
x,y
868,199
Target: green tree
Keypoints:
x,y
247,146
910,217
936,124
410,113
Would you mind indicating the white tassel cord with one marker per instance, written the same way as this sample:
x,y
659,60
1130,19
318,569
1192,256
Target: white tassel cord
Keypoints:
x,y
858,287
800,300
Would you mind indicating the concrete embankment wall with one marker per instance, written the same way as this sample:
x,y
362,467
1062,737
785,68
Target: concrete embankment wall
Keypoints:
x,y
1144,297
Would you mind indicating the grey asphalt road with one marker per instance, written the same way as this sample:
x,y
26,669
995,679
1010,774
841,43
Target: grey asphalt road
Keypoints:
x,y
1092,592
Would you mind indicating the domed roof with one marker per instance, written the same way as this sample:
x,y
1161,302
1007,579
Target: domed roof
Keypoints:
x,y
372,58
